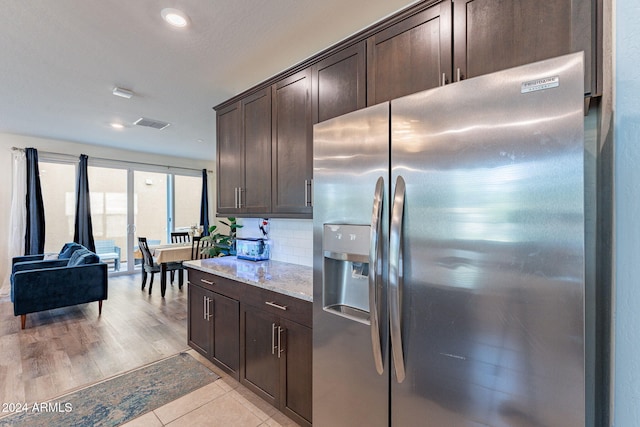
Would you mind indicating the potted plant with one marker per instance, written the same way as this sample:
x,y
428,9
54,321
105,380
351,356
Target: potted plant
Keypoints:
x,y
222,244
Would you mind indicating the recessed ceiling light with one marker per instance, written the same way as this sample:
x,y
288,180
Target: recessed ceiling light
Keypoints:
x,y
117,125
175,17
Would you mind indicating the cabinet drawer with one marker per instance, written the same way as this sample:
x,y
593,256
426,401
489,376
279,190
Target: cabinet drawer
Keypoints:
x,y
280,305
221,285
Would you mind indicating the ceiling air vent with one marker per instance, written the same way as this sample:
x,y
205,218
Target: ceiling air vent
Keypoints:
x,y
156,124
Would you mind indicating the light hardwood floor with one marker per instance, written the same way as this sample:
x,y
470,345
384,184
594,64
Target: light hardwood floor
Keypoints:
x,y
66,349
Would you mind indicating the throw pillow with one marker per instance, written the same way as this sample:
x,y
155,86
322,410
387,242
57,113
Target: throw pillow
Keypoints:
x,y
50,256
68,249
83,256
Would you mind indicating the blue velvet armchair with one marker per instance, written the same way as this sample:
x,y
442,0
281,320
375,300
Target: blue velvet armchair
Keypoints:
x,y
76,277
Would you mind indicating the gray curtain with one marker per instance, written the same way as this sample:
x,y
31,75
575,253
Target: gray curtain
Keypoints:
x,y
34,233
83,232
204,205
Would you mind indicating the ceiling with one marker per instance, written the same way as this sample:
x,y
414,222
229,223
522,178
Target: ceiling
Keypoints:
x,y
60,61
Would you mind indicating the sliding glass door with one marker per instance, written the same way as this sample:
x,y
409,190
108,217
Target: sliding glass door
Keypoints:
x,y
187,192
109,215
150,206
128,200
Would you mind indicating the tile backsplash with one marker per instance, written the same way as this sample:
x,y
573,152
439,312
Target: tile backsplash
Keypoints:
x,y
291,239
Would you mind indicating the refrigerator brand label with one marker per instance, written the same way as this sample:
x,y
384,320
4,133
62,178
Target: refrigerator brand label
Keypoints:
x,y
540,84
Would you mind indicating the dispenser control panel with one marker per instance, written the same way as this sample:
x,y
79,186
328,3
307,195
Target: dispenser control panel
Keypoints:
x,y
346,270
346,240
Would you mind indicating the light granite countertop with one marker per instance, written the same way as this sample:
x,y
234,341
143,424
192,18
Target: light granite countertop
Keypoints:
x,y
289,279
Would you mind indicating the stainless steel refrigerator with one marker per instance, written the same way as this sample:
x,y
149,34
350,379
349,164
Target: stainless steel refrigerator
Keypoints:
x,y
449,266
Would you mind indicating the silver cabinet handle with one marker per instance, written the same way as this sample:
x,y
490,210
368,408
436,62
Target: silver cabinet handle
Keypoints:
x,y
235,197
308,192
273,338
210,304
458,75
208,282
280,349
395,279
207,308
273,304
374,274
444,79
240,190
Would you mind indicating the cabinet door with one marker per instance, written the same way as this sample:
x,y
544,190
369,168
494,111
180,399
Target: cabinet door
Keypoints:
x,y
292,142
410,56
199,325
492,35
225,349
260,370
256,124
339,83
295,385
230,158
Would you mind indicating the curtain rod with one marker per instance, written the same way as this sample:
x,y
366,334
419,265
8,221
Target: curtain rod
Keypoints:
x,y
74,157
145,164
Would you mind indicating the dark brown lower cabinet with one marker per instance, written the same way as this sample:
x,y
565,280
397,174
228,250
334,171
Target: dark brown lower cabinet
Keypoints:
x,y
295,369
261,364
199,330
262,338
214,327
277,361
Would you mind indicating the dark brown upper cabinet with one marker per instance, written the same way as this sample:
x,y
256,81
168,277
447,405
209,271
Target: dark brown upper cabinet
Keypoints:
x,y
492,35
244,156
230,158
411,55
255,197
265,134
339,83
292,145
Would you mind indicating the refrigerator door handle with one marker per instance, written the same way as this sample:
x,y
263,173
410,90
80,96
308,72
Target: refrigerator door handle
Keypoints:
x,y
374,271
395,279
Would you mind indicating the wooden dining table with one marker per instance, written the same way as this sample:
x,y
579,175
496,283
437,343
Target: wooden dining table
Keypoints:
x,y
164,254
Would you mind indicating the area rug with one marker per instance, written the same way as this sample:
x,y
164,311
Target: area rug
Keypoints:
x,y
118,399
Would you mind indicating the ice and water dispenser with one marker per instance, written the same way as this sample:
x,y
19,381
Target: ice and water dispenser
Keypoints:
x,y
345,287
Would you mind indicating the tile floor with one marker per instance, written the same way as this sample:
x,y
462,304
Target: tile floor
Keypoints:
x,y
225,402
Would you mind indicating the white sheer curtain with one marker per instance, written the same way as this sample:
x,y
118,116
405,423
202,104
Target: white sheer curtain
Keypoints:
x,y
18,219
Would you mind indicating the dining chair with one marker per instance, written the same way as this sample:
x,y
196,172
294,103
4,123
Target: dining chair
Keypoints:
x,y
198,246
180,237
150,266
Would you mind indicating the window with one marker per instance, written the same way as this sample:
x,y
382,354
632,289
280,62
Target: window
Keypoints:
x,y
187,193
58,184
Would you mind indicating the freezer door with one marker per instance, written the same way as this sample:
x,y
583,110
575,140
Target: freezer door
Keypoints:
x,y
490,277
350,345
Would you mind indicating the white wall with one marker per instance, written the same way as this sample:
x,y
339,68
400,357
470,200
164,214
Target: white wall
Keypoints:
x,y
7,141
627,213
